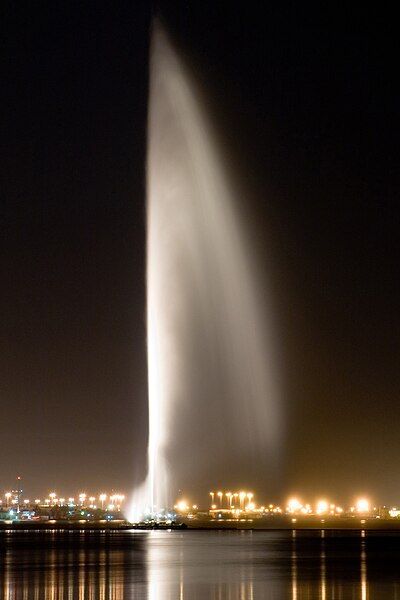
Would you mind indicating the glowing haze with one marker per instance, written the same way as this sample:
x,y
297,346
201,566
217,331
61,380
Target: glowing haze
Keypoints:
x,y
213,401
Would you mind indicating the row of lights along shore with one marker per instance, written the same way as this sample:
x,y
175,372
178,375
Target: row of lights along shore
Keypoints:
x,y
230,503
104,501
236,503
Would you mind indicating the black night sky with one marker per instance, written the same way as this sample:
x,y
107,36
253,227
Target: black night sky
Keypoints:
x,y
304,97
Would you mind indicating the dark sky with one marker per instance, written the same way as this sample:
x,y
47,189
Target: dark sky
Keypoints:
x,y
304,97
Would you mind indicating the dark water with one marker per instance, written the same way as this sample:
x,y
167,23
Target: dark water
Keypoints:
x,y
195,565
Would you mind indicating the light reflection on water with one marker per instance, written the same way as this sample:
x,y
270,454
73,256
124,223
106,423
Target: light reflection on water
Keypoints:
x,y
199,565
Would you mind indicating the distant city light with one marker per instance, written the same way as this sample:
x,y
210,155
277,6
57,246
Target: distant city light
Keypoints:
x,y
225,505
182,506
362,505
322,507
294,505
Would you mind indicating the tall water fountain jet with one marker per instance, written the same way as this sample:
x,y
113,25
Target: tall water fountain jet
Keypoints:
x,y
213,402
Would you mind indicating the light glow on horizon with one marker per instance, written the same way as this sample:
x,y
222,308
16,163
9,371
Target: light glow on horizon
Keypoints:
x,y
322,507
362,505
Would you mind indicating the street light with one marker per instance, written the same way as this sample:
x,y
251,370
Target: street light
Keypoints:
x,y
293,505
362,505
102,499
322,507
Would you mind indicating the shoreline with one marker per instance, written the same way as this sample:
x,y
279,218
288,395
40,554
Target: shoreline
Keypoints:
x,y
309,524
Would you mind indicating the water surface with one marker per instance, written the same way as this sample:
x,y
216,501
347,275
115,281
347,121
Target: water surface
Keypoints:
x,y
197,565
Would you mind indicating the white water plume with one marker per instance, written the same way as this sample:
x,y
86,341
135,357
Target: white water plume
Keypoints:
x,y
213,402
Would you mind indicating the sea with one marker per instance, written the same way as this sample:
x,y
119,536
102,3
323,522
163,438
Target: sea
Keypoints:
x,y
199,565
